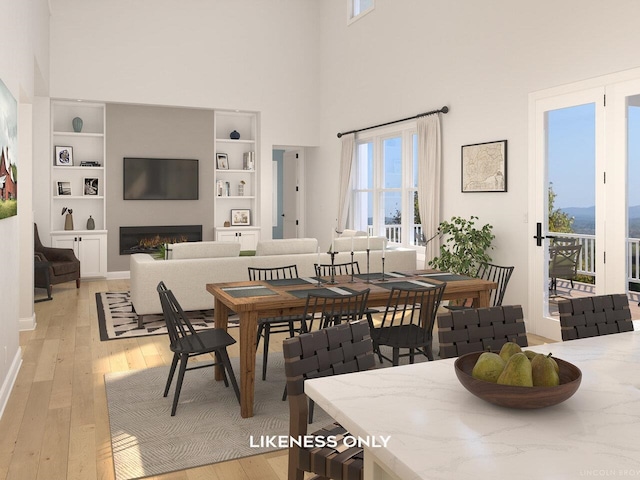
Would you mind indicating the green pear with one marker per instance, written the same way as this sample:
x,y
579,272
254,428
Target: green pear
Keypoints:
x,y
488,367
530,354
543,371
509,349
517,371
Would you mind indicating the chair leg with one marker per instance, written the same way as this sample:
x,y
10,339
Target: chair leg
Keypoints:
x,y
265,350
77,283
260,329
219,359
224,356
172,370
396,356
183,368
428,352
312,405
284,394
412,355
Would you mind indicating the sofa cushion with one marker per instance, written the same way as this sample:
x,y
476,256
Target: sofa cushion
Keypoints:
x,y
353,233
288,246
203,250
359,244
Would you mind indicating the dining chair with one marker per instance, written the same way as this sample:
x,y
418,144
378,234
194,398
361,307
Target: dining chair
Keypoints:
x,y
563,263
593,316
267,326
343,348
493,273
348,268
480,329
185,342
408,322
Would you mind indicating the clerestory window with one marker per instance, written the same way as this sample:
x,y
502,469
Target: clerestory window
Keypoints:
x,y
359,8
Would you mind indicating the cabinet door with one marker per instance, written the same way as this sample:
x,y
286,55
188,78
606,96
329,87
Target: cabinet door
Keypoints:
x,y
248,240
92,254
65,241
228,236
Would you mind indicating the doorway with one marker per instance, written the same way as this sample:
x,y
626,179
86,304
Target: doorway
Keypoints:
x,y
288,199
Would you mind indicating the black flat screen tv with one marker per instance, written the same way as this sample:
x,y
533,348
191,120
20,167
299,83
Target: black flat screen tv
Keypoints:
x,y
160,179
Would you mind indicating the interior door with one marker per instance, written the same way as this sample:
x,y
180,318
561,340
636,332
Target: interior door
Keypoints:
x,y
568,199
290,195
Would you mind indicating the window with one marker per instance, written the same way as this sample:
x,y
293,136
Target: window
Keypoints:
x,y
359,8
385,189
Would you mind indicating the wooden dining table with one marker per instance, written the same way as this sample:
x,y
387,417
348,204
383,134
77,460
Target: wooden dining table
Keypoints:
x,y
252,300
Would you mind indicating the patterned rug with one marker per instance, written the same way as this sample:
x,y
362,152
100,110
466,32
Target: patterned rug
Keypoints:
x,y
118,319
207,428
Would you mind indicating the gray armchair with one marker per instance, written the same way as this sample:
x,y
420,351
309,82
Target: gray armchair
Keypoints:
x,y
63,265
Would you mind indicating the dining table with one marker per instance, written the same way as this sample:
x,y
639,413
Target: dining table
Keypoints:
x,y
419,422
252,300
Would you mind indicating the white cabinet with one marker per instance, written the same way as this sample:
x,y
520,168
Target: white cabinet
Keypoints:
x,y
78,180
89,246
248,237
237,167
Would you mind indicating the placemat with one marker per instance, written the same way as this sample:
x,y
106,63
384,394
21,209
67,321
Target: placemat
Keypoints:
x,y
378,275
251,291
408,284
445,277
329,291
294,281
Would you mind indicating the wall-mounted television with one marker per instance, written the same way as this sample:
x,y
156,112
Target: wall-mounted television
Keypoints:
x,y
160,179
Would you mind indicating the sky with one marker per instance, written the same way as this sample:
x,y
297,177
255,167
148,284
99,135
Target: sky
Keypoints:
x,y
571,155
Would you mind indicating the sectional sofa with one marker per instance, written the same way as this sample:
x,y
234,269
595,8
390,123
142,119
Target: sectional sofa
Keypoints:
x,y
190,266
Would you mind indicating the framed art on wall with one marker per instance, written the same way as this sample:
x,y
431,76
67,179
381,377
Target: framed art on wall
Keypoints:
x,y
484,167
63,188
90,186
240,217
63,156
222,161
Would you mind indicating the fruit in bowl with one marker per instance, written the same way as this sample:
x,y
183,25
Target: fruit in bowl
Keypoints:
x,y
514,386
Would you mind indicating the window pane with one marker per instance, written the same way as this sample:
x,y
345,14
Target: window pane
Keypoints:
x,y
415,228
360,6
392,162
415,160
392,207
363,211
364,166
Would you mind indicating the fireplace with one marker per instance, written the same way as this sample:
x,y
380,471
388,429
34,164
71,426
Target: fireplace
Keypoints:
x,y
149,239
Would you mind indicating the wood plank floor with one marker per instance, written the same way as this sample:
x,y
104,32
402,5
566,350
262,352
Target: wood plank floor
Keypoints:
x,y
55,425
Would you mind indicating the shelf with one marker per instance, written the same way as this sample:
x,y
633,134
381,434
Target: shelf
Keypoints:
x,y
78,197
235,197
78,232
235,170
229,140
78,134
77,168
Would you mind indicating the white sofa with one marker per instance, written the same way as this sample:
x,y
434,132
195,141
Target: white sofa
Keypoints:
x,y
192,265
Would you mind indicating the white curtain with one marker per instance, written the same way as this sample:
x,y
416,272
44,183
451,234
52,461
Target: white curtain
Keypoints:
x,y
346,169
429,179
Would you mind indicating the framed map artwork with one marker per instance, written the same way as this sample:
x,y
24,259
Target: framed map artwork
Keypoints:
x,y
484,167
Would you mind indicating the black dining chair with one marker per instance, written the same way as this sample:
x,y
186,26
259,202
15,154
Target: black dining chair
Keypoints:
x,y
493,273
327,269
267,326
185,342
408,322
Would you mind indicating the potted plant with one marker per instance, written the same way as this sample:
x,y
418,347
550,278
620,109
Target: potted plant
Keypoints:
x,y
464,247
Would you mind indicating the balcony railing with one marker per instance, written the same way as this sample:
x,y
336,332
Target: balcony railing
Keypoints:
x,y
394,234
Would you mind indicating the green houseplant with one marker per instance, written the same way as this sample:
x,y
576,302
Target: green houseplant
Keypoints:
x,y
465,246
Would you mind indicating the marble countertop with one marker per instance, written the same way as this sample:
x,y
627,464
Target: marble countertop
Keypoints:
x,y
438,430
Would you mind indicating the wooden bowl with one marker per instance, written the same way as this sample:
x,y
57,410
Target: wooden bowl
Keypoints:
x,y
518,397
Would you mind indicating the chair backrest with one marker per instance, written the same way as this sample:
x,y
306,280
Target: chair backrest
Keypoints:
x,y
37,244
499,275
480,329
333,308
563,241
410,307
344,348
348,268
178,325
275,273
593,316
563,262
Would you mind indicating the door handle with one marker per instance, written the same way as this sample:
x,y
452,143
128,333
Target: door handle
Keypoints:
x,y
538,236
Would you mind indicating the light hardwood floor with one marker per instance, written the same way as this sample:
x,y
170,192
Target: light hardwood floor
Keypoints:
x,y
56,426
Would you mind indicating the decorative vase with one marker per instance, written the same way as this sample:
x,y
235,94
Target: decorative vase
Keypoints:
x,y
227,223
91,224
234,135
77,124
241,190
68,222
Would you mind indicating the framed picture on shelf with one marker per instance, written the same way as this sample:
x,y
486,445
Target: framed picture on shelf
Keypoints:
x,y
240,217
63,156
222,161
90,186
484,167
63,188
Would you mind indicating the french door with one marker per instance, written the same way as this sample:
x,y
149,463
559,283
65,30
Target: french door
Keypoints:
x,y
586,157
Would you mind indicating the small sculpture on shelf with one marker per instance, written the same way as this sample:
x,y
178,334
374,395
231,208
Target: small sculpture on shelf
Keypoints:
x,y
241,188
235,135
77,124
91,224
68,220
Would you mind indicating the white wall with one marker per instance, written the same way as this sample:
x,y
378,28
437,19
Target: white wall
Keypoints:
x,y
24,69
482,59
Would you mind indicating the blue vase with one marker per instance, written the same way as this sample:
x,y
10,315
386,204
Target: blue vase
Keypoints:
x,y
234,135
77,124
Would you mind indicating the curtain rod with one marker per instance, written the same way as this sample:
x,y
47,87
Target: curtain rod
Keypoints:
x,y
444,109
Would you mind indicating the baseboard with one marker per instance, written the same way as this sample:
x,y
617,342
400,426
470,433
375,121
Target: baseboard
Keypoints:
x,y
28,323
10,380
118,275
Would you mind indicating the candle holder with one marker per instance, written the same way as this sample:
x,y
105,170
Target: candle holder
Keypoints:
x,y
368,279
332,281
383,279
352,268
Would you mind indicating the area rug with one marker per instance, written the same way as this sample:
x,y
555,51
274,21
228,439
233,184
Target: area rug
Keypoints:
x,y
207,427
118,319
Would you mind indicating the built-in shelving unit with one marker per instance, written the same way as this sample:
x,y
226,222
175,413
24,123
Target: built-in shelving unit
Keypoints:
x,y
77,187
237,161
